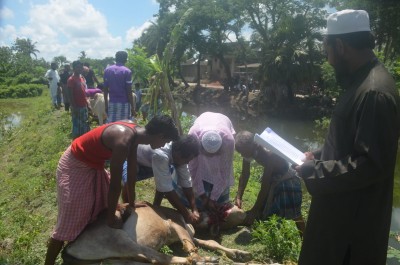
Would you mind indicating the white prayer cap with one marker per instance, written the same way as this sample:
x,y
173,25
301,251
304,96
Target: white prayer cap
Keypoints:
x,y
348,21
211,141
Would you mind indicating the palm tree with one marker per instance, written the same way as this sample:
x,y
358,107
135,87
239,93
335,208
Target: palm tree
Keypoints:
x,y
25,46
82,55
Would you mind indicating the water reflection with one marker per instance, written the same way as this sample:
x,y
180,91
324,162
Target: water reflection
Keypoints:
x,y
11,121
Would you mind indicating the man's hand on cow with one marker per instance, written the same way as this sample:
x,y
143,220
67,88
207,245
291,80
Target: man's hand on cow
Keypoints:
x,y
238,202
124,210
192,217
116,222
141,204
196,213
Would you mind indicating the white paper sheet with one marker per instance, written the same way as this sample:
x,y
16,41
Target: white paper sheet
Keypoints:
x,y
272,141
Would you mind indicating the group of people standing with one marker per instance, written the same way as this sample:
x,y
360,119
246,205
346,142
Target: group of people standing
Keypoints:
x,y
75,89
350,178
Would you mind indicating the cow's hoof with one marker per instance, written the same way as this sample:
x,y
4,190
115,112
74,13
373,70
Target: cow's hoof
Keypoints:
x,y
239,255
208,261
198,260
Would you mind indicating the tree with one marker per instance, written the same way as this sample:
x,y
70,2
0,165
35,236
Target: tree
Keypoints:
x,y
25,47
82,55
6,59
287,34
60,60
207,29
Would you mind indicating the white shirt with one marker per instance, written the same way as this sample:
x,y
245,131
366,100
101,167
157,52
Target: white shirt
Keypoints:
x,y
160,161
53,83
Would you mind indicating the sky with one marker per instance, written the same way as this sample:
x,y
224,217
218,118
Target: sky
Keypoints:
x,y
67,27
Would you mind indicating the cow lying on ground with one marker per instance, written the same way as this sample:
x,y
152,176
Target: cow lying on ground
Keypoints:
x,y
145,231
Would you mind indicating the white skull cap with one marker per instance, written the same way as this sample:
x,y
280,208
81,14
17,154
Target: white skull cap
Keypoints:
x,y
211,141
348,21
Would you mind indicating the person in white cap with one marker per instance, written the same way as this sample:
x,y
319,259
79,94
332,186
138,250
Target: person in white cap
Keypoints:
x,y
212,169
351,177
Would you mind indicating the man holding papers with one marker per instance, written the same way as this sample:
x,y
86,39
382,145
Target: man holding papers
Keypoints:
x,y
280,191
351,177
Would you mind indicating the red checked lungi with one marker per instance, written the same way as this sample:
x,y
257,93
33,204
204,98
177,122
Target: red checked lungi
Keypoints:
x,y
82,195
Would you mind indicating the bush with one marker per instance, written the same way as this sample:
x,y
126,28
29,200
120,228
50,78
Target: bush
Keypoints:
x,y
39,80
23,78
21,91
280,237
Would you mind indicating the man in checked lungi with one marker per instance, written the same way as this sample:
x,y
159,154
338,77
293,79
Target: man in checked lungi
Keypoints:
x,y
118,97
280,192
85,188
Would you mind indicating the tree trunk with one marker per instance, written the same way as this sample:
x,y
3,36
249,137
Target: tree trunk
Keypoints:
x,y
171,103
199,70
227,70
182,77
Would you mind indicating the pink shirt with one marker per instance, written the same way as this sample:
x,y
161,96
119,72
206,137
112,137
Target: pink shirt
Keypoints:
x,y
217,169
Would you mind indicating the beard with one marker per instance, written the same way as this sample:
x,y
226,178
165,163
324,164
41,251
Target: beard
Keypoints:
x,y
342,74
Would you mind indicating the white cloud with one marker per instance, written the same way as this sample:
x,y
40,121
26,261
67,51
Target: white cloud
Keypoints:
x,y
134,32
60,28
8,34
67,29
6,13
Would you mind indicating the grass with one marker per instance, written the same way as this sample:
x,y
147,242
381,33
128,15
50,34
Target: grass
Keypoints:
x,y
29,158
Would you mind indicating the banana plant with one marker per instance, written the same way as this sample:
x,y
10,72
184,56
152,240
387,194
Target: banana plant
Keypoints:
x,y
159,84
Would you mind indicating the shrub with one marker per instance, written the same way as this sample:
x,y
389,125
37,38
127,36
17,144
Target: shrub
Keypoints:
x,y
39,80
21,91
23,78
280,237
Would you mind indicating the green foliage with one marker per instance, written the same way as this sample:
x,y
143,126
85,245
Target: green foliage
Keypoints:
x,y
21,91
280,237
140,63
321,128
394,253
23,78
187,122
393,67
329,86
166,250
159,85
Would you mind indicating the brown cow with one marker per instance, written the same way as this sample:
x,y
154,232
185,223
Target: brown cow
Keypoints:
x,y
144,232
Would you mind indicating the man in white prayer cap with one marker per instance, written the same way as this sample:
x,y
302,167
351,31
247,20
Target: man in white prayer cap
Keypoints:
x,y
351,177
212,169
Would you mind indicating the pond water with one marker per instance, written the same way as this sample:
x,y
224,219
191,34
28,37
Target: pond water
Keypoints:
x,y
12,120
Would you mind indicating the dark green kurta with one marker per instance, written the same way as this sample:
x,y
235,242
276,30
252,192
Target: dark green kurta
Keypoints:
x,y
351,180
